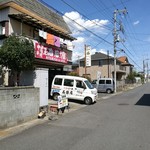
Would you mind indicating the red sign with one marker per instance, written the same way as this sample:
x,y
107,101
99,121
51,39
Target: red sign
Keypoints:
x,y
48,53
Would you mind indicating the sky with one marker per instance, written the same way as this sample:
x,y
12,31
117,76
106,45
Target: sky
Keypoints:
x,y
92,23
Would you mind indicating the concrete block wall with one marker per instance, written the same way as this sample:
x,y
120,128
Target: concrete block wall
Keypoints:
x,y
18,105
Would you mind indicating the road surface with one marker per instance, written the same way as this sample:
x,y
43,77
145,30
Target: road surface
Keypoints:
x,y
120,122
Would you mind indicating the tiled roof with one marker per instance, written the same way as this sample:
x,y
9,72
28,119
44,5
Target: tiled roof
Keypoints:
x,y
42,10
123,59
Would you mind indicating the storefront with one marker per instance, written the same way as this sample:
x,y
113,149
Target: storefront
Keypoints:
x,y
49,33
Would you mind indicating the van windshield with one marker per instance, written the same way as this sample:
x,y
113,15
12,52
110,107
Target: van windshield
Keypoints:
x,y
89,85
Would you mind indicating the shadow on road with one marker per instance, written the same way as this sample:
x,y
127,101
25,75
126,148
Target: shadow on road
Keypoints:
x,y
77,101
144,100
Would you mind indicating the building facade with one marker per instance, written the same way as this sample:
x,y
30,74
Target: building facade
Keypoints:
x,y
50,34
103,65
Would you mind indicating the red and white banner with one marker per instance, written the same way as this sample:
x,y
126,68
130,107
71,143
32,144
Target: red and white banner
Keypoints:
x,y
48,53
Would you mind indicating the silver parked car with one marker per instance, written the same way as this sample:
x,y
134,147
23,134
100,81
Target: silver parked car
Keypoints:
x,y
104,85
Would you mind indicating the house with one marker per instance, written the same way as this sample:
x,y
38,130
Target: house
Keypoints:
x,y
50,34
103,65
124,62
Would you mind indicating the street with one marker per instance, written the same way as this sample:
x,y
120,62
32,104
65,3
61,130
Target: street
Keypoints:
x,y
119,122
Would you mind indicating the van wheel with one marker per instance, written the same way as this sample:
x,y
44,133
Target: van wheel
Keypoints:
x,y
87,100
108,91
55,96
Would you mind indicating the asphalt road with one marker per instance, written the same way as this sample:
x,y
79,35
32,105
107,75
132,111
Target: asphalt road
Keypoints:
x,y
120,122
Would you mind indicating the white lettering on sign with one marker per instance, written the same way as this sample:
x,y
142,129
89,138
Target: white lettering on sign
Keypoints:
x,y
47,53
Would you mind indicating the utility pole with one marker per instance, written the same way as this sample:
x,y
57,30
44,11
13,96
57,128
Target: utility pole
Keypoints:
x,y
108,62
115,41
124,11
144,70
147,72
85,59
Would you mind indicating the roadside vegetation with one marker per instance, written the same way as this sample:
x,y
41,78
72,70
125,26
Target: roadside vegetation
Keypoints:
x,y
17,54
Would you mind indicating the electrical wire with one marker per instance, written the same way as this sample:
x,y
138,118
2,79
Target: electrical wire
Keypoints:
x,y
99,37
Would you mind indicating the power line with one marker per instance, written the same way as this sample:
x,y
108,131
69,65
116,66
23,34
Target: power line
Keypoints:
x,y
102,39
107,27
96,6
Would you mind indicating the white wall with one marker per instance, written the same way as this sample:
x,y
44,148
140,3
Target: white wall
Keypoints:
x,y
41,81
37,78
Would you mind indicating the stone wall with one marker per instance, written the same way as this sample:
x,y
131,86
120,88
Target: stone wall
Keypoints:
x,y
18,105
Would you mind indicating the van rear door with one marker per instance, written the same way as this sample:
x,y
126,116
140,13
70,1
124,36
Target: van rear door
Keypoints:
x,y
101,85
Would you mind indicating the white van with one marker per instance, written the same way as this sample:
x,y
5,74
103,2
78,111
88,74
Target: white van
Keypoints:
x,y
74,88
104,85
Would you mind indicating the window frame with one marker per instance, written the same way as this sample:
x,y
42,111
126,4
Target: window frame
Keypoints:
x,y
101,80
108,82
56,83
69,84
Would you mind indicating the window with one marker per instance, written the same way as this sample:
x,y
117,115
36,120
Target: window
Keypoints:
x,y
101,81
58,81
2,28
100,62
79,84
89,85
68,82
36,35
108,81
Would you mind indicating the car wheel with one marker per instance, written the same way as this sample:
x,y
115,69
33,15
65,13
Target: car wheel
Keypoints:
x,y
108,91
55,96
87,100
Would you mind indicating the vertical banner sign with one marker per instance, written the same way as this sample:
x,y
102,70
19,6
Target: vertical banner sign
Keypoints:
x,y
88,56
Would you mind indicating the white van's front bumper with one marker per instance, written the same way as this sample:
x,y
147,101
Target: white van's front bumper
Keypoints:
x,y
95,95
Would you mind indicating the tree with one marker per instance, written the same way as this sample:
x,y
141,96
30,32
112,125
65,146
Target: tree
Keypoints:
x,y
132,75
17,53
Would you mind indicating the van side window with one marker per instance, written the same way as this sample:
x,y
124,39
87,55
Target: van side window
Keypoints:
x,y
68,82
58,81
79,84
101,81
108,81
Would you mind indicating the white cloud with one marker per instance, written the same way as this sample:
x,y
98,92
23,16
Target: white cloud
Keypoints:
x,y
78,24
78,30
93,51
103,51
78,51
136,22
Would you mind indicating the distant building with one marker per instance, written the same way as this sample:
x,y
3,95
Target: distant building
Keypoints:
x,y
124,62
104,64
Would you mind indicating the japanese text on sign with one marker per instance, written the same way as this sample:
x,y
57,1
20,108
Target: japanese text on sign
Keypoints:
x,y
47,53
